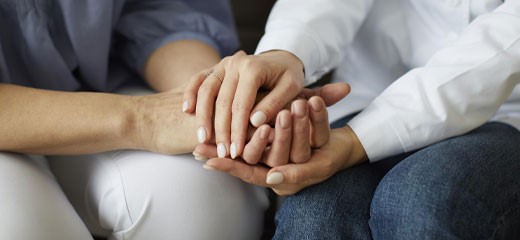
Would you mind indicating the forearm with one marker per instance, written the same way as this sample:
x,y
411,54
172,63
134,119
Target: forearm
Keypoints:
x,y
172,65
55,123
51,122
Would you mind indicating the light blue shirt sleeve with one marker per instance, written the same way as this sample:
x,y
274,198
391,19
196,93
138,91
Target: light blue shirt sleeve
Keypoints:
x,y
146,25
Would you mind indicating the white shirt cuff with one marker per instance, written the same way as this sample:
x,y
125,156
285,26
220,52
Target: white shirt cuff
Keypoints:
x,y
377,133
300,44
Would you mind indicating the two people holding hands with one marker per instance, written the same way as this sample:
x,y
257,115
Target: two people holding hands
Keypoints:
x,y
300,127
426,144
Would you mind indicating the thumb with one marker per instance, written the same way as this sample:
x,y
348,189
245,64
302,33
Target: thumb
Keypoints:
x,y
204,151
292,174
333,93
283,93
330,93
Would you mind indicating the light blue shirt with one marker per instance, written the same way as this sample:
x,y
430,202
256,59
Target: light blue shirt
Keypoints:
x,y
74,45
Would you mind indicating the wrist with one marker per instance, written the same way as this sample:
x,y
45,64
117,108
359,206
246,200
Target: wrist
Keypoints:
x,y
156,123
357,155
130,123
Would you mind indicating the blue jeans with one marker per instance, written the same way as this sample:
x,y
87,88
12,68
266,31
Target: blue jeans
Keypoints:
x,y
467,187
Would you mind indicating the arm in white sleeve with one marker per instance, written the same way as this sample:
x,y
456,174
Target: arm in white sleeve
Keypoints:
x,y
459,89
316,31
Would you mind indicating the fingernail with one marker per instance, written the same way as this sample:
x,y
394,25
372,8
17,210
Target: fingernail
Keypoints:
x,y
221,150
258,118
201,135
316,105
233,150
299,109
285,121
199,157
185,106
207,167
275,178
264,133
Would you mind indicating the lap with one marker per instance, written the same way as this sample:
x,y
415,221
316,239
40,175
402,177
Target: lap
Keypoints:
x,y
461,187
468,183
146,195
334,209
33,205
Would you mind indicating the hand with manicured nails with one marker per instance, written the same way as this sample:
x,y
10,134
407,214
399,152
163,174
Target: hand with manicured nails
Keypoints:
x,y
295,134
341,150
229,92
302,121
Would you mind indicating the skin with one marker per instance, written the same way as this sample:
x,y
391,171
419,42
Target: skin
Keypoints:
x,y
282,145
342,150
164,72
324,162
233,99
297,160
327,95
53,122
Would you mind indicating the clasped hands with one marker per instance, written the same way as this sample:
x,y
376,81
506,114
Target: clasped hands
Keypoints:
x,y
288,145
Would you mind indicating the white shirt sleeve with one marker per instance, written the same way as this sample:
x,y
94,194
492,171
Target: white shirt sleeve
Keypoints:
x,y
316,31
460,88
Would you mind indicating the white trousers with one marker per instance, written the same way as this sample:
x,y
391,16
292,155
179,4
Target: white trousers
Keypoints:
x,y
124,195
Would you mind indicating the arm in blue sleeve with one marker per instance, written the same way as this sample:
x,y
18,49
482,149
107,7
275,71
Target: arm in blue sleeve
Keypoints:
x,y
146,25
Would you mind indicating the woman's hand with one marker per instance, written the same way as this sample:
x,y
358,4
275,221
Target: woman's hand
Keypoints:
x,y
303,119
230,90
160,126
343,150
295,134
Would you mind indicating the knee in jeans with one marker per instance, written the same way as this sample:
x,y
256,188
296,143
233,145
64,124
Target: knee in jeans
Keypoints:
x,y
411,201
344,198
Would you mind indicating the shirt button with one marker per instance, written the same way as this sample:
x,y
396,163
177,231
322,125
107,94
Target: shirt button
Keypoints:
x,y
453,3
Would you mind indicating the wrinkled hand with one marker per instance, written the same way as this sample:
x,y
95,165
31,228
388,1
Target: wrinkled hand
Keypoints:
x,y
230,91
161,126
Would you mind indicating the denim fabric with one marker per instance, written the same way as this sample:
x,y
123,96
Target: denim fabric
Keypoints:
x,y
331,210
467,187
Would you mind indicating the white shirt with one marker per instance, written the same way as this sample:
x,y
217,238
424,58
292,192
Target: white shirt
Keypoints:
x,y
422,71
